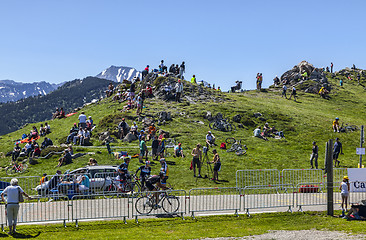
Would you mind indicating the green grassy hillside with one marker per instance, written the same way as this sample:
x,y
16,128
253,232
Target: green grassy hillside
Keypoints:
x,y
307,120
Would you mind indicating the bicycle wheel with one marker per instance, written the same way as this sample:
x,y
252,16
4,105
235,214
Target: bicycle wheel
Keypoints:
x,y
170,204
230,140
143,205
109,191
132,188
10,170
23,167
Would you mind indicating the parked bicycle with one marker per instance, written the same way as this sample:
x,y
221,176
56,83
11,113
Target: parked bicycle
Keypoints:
x,y
236,146
17,168
167,201
221,124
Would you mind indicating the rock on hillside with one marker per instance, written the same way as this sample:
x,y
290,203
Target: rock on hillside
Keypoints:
x,y
316,78
13,91
118,74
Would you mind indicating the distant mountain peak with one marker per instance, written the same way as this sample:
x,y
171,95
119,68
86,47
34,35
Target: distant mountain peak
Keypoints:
x,y
118,74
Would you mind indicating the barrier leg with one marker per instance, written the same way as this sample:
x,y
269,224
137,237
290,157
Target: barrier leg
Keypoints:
x,y
64,223
2,227
76,223
247,212
289,209
193,215
236,213
124,220
136,220
182,216
300,209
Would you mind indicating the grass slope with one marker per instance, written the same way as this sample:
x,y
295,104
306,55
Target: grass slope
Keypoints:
x,y
202,227
309,119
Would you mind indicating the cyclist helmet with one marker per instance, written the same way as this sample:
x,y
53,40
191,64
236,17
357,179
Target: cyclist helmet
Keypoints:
x,y
337,118
162,160
147,162
126,159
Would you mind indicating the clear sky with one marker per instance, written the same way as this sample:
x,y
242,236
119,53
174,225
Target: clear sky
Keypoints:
x,y
220,41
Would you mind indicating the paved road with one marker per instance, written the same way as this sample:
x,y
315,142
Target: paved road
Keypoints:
x,y
118,208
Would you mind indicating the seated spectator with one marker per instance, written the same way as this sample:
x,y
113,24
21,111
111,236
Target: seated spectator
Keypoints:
x,y
128,106
90,123
335,126
36,150
257,133
16,152
55,114
47,142
71,151
92,162
27,148
323,92
210,139
42,130
123,128
110,90
178,151
65,159
43,179
357,211
148,91
78,136
90,120
151,132
118,96
61,114
134,129
84,183
73,132
85,139
47,127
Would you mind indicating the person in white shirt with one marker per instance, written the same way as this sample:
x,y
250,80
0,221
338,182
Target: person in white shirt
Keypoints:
x,y
178,90
82,120
12,203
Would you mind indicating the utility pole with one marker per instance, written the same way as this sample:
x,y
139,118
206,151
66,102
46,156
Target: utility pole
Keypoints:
x,y
329,169
361,141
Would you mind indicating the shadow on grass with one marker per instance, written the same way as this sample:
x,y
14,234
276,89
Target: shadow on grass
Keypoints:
x,y
24,235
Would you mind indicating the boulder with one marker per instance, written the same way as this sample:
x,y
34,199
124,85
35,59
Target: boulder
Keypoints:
x,y
130,137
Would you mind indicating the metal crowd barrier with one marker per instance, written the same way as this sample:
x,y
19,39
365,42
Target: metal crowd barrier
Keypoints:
x,y
27,183
310,194
269,196
257,177
214,199
171,202
98,207
296,176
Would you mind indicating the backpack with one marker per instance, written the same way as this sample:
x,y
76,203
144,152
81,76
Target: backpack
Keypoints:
x,y
223,145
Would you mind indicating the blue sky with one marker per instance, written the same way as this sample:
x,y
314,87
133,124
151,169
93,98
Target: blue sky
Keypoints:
x,y
220,41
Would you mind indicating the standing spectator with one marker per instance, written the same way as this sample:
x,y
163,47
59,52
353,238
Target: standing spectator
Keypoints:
x,y
197,159
293,93
335,125
143,149
155,147
178,90
16,152
331,67
314,156
284,90
182,69
344,187
217,165
337,149
162,67
145,72
12,203
82,120
139,103
193,79
151,131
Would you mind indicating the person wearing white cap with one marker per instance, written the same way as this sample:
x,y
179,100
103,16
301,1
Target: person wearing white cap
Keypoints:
x,y
210,139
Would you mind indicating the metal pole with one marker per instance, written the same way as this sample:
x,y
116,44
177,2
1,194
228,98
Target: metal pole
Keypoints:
x,y
329,168
361,141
